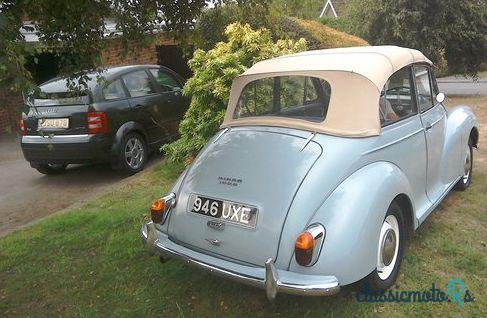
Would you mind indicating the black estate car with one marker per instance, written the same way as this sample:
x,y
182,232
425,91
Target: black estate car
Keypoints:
x,y
125,113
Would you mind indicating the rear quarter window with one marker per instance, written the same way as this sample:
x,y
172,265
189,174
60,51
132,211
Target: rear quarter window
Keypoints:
x,y
299,97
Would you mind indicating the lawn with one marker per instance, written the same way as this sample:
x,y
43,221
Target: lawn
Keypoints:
x,y
90,262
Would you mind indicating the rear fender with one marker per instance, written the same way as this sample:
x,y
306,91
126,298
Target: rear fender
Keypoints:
x,y
121,132
352,216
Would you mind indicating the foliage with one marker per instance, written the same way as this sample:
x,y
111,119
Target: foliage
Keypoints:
x,y
319,36
451,31
75,30
213,73
212,22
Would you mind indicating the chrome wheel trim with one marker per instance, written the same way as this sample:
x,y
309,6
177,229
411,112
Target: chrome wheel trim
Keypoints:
x,y
388,247
467,166
134,153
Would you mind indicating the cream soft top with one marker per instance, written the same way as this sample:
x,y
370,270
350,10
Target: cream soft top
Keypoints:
x,y
356,76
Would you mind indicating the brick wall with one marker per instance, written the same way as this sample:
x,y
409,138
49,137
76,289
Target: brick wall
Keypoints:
x,y
10,101
136,54
10,104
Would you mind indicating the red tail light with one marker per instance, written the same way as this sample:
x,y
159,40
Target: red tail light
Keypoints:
x,y
22,126
97,123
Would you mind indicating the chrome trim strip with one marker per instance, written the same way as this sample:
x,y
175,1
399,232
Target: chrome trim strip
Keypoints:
x,y
393,142
271,282
56,139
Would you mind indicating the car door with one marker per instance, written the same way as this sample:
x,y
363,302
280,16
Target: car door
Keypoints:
x,y
145,103
173,103
433,118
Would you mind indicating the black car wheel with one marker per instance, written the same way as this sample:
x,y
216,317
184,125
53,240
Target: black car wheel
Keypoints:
x,y
133,153
50,168
390,250
466,179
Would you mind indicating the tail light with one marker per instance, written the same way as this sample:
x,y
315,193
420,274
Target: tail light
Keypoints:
x,y
22,126
308,245
97,123
160,208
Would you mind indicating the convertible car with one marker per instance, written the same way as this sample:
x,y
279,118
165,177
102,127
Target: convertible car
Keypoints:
x,y
326,161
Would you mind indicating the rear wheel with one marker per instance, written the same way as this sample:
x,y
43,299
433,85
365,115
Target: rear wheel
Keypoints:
x,y
51,168
466,179
390,249
133,153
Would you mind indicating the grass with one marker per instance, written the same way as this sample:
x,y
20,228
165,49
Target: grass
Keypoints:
x,y
89,262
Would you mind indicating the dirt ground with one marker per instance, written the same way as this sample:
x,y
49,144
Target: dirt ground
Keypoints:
x,y
27,196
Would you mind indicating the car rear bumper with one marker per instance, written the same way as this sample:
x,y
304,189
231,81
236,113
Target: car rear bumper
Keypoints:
x,y
267,277
65,149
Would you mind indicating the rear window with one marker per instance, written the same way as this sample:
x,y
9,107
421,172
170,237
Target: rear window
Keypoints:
x,y
59,98
300,97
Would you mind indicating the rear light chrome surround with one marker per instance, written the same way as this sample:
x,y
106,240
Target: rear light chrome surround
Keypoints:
x,y
308,245
161,208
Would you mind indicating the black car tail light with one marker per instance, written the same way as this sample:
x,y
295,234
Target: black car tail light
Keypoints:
x,y
97,123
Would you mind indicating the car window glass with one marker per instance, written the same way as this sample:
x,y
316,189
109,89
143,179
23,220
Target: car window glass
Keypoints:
x,y
397,99
114,90
165,80
300,97
138,83
423,88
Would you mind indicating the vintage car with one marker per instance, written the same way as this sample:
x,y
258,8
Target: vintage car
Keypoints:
x,y
325,162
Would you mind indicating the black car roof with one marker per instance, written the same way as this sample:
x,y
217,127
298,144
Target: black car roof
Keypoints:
x,y
59,84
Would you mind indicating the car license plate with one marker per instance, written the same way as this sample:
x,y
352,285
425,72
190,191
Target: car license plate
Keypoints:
x,y
54,123
228,211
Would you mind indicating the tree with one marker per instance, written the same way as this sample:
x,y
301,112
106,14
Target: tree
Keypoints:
x,y
451,30
75,30
209,88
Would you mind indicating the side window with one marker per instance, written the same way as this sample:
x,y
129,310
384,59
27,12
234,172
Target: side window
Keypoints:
x,y
397,98
165,80
423,88
114,90
138,84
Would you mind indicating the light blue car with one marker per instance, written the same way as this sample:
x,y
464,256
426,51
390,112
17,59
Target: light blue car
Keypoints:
x,y
325,162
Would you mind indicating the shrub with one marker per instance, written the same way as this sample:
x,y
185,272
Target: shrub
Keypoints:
x,y
213,73
319,36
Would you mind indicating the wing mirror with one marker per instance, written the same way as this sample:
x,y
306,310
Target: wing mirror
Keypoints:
x,y
440,97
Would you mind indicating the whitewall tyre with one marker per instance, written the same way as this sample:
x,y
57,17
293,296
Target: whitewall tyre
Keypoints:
x,y
390,249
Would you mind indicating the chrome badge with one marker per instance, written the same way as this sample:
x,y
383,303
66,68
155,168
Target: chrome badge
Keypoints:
x,y
216,225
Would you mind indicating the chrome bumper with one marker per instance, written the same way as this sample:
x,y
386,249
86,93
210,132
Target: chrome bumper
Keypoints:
x,y
268,277
56,139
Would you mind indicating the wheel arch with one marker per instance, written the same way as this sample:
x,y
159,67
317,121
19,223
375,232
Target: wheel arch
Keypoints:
x,y
407,209
352,218
474,137
122,131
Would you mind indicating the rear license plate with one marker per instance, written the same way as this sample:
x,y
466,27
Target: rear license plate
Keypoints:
x,y
54,123
227,211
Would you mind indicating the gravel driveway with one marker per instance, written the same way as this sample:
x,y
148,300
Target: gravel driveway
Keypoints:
x,y
27,195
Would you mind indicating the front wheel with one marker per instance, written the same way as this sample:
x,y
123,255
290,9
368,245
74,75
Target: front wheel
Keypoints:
x,y
466,179
390,249
133,153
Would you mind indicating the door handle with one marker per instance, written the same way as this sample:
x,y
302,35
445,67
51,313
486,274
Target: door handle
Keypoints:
x,y
428,126
138,106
